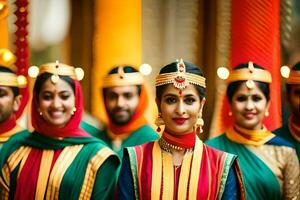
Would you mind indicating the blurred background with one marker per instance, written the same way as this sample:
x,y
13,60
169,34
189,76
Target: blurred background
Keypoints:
x,y
100,34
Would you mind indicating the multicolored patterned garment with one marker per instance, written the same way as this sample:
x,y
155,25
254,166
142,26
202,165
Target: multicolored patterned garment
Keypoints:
x,y
269,166
205,173
34,166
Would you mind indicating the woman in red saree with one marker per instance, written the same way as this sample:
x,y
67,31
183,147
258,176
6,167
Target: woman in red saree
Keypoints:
x,y
179,165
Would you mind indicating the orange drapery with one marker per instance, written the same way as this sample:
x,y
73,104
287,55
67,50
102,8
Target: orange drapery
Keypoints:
x,y
117,41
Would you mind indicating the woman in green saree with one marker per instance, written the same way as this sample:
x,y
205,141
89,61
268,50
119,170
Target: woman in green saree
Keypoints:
x,y
269,164
58,160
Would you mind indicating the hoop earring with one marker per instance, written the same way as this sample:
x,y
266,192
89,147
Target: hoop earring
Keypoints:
x,y
199,124
267,113
73,110
159,122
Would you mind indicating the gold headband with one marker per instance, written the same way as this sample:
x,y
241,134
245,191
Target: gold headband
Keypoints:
x,y
180,79
57,69
249,75
7,59
294,77
123,79
12,80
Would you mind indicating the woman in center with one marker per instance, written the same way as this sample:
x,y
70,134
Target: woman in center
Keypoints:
x,y
179,165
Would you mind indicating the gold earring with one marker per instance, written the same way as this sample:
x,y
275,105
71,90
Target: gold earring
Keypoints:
x,y
199,125
267,113
73,110
159,122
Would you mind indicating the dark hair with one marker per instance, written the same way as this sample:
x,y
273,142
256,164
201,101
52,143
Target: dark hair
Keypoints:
x,y
190,68
233,86
40,80
7,70
127,69
296,67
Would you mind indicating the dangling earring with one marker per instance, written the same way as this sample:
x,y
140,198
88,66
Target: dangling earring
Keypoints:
x,y
159,122
73,110
199,125
40,112
229,113
267,113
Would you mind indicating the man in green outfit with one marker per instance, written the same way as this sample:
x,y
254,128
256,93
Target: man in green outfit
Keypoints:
x,y
291,130
10,98
125,101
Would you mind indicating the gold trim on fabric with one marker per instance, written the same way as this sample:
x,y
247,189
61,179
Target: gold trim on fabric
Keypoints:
x,y
20,155
44,173
5,136
294,77
61,165
184,176
168,176
91,172
195,169
156,171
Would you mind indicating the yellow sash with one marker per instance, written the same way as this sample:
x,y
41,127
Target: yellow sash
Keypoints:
x,y
163,173
249,137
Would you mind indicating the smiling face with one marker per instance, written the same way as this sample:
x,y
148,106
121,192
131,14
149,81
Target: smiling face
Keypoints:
x,y
121,103
8,103
56,102
248,107
180,111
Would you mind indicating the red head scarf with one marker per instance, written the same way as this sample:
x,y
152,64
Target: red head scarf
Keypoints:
x,y
137,119
72,127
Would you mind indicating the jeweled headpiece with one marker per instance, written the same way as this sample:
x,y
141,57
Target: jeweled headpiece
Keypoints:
x,y
57,69
7,60
180,79
294,77
123,79
250,75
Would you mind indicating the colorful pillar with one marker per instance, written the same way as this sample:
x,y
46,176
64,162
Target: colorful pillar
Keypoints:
x,y
255,36
3,24
117,41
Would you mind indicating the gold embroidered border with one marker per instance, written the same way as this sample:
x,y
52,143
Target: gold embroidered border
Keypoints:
x,y
44,173
91,172
156,171
195,172
168,176
61,165
184,176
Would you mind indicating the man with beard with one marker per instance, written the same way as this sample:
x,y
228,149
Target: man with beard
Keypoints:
x,y
10,99
125,101
291,130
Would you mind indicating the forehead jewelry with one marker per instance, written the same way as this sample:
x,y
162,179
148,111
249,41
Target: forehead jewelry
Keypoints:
x,y
180,79
55,77
250,83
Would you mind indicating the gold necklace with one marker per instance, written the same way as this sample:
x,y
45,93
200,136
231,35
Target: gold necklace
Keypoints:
x,y
168,147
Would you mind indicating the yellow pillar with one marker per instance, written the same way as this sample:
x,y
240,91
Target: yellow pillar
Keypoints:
x,y
118,40
3,24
